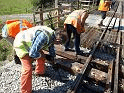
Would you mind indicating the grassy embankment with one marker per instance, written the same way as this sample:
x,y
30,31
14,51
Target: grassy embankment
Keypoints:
x,y
8,7
15,6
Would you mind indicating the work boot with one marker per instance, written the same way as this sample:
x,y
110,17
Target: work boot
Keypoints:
x,y
80,53
67,49
42,75
101,23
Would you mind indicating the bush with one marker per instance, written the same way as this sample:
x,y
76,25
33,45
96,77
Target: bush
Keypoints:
x,y
5,50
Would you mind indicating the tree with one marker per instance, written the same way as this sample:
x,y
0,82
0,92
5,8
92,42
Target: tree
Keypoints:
x,y
39,3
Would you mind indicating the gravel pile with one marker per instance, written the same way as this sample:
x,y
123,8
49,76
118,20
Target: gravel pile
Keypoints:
x,y
56,81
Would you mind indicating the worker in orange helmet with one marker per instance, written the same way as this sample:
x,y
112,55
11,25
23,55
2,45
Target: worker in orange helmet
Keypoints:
x,y
104,6
74,23
29,45
11,29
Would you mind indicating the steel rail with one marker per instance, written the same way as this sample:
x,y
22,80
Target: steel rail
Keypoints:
x,y
80,75
116,74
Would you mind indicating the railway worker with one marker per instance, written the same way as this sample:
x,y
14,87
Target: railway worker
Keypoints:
x,y
10,30
104,6
28,45
74,23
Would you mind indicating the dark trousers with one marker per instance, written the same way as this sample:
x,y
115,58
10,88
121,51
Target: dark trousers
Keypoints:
x,y
103,14
71,29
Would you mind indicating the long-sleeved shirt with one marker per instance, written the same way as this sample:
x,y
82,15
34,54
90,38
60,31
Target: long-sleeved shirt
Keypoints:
x,y
34,39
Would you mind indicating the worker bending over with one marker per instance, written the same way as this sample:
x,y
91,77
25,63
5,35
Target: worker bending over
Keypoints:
x,y
74,23
11,29
28,45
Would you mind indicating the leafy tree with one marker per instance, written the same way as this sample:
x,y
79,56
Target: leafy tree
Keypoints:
x,y
39,3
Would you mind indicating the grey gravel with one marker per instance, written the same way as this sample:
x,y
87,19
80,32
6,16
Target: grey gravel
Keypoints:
x,y
10,80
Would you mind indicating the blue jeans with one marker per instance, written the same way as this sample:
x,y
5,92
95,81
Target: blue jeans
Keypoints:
x,y
71,29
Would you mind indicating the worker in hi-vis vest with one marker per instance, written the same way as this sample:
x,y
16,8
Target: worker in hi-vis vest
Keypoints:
x,y
104,6
29,46
74,23
11,29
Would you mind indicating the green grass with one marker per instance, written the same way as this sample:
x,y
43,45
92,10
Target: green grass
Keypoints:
x,y
15,6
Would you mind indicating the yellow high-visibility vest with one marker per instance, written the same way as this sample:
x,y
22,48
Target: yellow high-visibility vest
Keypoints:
x,y
104,5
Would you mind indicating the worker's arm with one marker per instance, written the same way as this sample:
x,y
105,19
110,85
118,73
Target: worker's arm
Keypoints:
x,y
51,55
52,50
83,18
37,45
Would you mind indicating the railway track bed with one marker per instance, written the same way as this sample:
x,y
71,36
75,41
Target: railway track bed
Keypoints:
x,y
99,71
102,69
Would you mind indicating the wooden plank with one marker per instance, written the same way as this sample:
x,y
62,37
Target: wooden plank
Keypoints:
x,y
98,61
122,55
121,86
97,75
117,67
52,9
116,74
68,54
68,65
109,78
100,65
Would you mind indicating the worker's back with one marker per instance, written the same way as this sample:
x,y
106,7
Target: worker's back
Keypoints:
x,y
13,27
77,19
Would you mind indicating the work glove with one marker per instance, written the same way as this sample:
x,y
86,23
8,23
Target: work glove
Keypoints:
x,y
50,59
17,60
56,66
